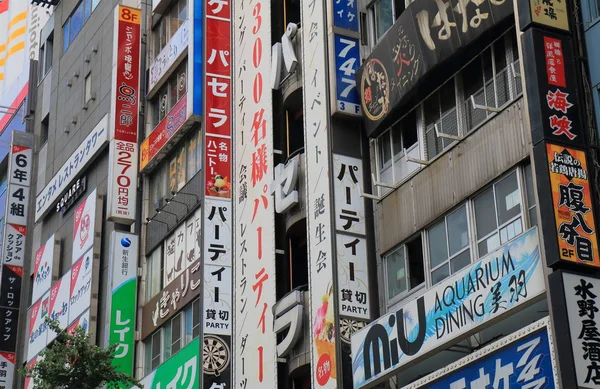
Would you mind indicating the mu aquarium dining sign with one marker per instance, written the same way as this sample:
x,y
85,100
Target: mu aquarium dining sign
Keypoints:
x,y
503,280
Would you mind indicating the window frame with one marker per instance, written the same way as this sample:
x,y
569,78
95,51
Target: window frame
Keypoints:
x,y
410,290
371,10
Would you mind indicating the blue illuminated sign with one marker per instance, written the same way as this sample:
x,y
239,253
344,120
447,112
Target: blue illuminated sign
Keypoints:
x,y
197,41
526,363
345,14
347,61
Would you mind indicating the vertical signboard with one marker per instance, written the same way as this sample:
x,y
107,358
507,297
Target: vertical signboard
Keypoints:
x,y
581,298
254,250
13,244
325,372
123,152
182,371
217,223
43,268
123,289
195,99
60,294
38,329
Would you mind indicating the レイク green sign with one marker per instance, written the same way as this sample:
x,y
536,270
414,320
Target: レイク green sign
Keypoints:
x,y
123,269
181,371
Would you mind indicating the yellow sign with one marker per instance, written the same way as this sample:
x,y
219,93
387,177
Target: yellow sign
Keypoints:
x,y
572,201
551,13
131,15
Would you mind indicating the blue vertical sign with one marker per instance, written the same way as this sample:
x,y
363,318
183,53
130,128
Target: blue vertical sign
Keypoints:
x,y
347,61
198,42
345,14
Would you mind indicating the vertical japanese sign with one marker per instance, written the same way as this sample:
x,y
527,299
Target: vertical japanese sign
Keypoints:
x,y
321,240
254,250
7,369
217,288
581,297
572,201
182,371
84,226
43,268
553,14
14,236
345,56
123,273
123,152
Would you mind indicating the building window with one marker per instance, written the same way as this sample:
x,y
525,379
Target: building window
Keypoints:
x,y
383,13
87,88
169,94
401,138
44,129
491,78
498,214
172,19
45,58
530,193
154,270
75,22
178,168
449,245
169,339
404,269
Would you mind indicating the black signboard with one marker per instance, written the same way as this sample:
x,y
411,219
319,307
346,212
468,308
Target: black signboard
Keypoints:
x,y
10,286
216,364
9,322
552,88
71,195
45,2
426,34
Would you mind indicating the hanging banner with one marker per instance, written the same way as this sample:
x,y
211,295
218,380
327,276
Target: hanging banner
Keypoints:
x,y
521,360
123,286
510,277
84,226
123,153
10,286
60,294
13,249
581,296
81,285
38,329
7,369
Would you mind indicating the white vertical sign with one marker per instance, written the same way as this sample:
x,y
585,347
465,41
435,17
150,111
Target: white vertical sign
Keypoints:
x,y
43,269
320,245
254,250
84,226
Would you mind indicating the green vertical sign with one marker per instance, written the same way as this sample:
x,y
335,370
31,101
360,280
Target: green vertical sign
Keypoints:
x,y
181,371
123,273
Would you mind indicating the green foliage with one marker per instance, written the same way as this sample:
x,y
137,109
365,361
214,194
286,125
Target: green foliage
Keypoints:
x,y
72,362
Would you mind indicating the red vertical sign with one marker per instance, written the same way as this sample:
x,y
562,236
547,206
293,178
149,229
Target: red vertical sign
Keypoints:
x,y
555,64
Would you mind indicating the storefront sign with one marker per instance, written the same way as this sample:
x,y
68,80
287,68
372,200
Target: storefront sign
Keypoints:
x,y
181,371
44,268
171,299
509,277
38,329
324,322
175,261
164,131
345,14
82,321
254,208
19,180
84,226
79,160
347,61
123,181
581,295
9,318
175,49
7,369
72,195
572,202
551,14
284,185
287,321
195,82
123,277
552,88
521,360
218,167
60,294
426,34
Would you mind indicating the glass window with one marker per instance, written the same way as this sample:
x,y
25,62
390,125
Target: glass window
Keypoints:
x,y
168,336
440,113
404,268
176,340
76,22
66,28
154,273
530,191
156,348
383,16
95,4
87,88
498,214
449,245
88,8
196,329
189,324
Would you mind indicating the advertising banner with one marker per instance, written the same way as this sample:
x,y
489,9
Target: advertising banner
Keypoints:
x,y
324,329
581,296
521,360
60,294
507,278
347,61
171,299
218,167
196,58
84,226
572,205
9,318
38,329
79,160
123,181
82,321
13,250
175,261
19,180
7,369
182,371
123,275
10,286
43,268
81,285
163,132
